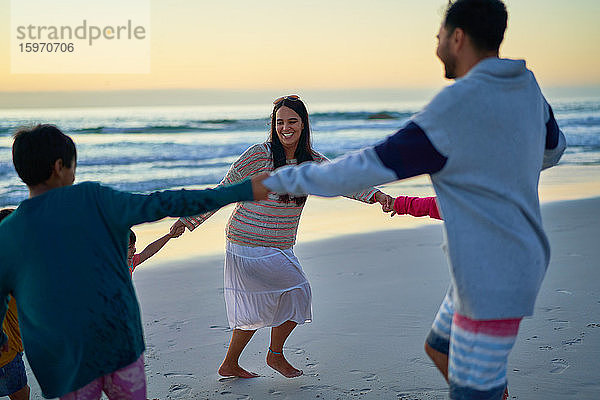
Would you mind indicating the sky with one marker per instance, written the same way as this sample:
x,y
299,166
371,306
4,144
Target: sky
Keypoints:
x,y
325,44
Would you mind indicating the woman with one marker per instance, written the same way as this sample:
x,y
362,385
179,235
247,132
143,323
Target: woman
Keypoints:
x,y
264,282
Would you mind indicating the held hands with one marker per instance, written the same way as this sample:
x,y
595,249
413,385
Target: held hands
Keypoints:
x,y
177,229
386,201
4,348
259,190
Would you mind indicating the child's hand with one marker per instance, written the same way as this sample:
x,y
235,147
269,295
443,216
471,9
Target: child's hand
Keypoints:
x,y
4,348
386,201
177,229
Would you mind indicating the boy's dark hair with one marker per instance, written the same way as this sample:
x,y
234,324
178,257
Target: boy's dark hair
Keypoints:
x,y
132,237
36,149
483,20
5,213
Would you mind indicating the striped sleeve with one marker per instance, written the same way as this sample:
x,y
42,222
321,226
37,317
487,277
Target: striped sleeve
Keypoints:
x,y
253,161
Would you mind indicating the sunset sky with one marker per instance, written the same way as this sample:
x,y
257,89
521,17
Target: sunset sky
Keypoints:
x,y
330,44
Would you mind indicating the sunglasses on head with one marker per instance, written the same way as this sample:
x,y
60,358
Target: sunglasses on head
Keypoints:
x,y
292,97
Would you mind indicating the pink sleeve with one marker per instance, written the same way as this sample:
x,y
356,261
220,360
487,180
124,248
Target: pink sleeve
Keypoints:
x,y
417,206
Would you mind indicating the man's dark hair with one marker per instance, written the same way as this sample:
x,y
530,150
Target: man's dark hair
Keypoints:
x,y
483,20
36,149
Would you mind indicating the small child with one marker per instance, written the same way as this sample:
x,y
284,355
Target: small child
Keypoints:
x,y
64,260
13,379
133,260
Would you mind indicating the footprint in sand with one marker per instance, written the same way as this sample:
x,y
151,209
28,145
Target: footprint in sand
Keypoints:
x,y
295,350
551,308
431,394
574,341
316,387
179,375
151,352
366,376
559,324
231,395
559,365
361,392
350,273
177,325
156,320
593,325
220,328
545,348
180,390
563,291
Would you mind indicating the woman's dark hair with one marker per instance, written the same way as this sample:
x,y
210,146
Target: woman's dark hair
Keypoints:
x,y
304,150
36,149
483,20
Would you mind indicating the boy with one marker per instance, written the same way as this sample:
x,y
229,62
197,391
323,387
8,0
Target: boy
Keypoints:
x,y
13,380
64,261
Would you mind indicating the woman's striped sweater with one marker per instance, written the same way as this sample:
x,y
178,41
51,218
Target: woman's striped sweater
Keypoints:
x,y
269,223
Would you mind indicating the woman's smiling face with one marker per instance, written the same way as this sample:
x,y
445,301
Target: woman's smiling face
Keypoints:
x,y
289,128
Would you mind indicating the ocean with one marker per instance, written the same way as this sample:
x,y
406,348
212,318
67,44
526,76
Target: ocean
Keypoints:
x,y
144,149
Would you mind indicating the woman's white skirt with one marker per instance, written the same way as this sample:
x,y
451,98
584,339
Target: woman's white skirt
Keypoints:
x,y
265,287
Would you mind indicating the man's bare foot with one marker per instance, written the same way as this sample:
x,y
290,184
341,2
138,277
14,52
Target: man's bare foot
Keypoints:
x,y
280,364
235,370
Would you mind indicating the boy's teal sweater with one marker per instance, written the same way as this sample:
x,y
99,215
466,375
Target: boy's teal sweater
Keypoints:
x,y
64,259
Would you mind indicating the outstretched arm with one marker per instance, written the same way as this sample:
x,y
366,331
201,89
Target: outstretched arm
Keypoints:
x,y
369,195
405,154
155,246
123,210
250,163
416,206
342,176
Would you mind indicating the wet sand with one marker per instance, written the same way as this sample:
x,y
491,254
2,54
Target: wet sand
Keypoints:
x,y
377,283
375,296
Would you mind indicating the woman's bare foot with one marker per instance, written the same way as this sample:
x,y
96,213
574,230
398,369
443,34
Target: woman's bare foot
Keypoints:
x,y
235,370
280,364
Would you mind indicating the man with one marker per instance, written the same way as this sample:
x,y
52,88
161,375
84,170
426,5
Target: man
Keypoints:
x,y
483,140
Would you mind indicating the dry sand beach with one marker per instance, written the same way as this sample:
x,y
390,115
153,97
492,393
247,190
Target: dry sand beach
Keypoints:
x,y
377,283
